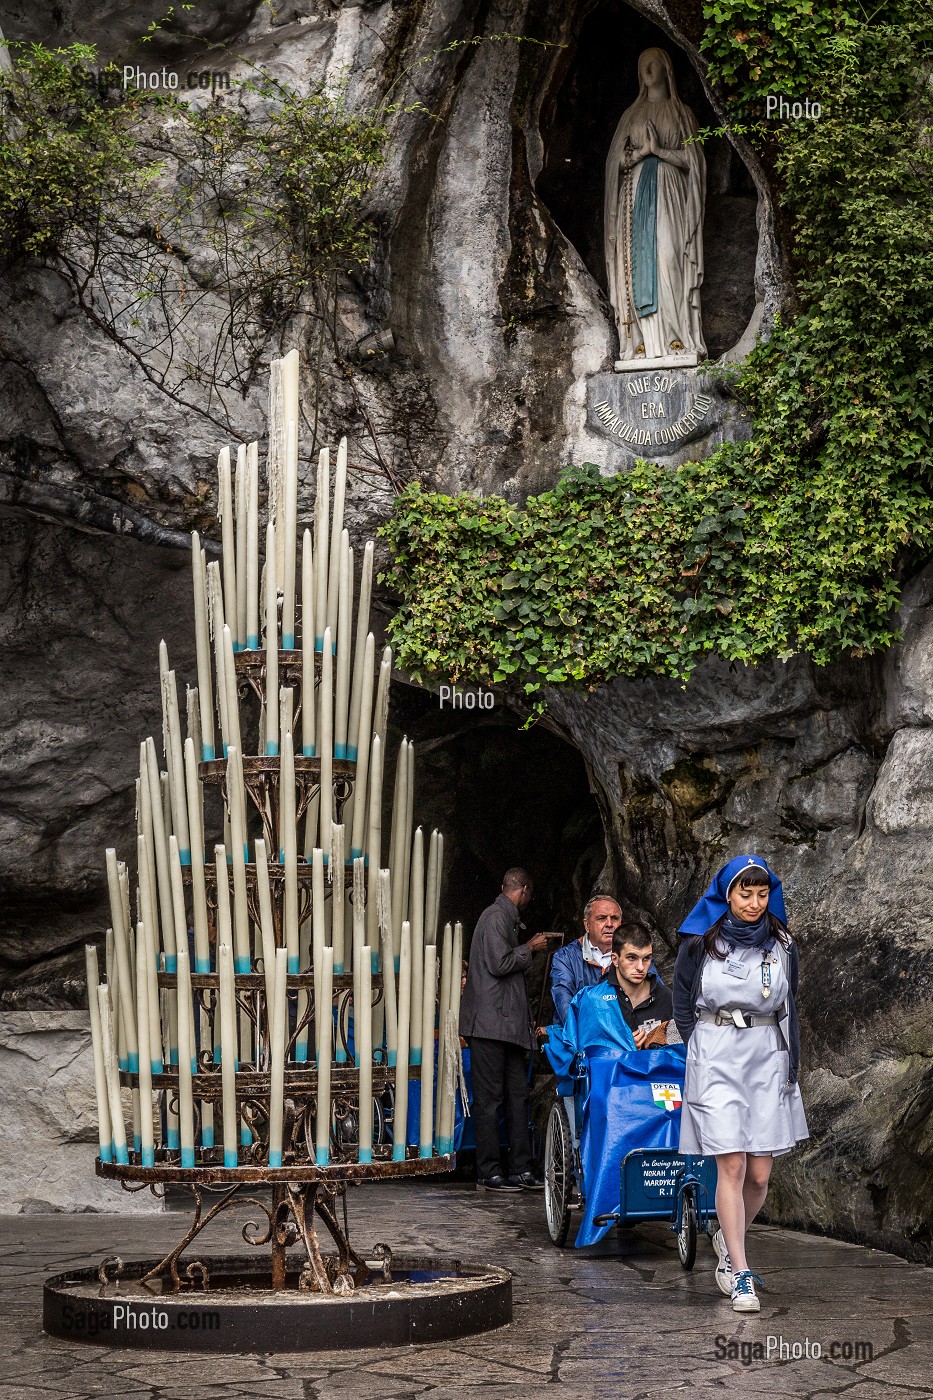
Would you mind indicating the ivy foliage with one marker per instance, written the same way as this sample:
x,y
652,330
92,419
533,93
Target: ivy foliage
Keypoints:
x,y
169,216
794,541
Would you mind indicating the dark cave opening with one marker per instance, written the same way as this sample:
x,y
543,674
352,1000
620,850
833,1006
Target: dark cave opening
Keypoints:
x,y
503,796
593,81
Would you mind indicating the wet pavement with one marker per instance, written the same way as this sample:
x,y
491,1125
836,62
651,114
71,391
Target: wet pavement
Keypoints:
x,y
620,1320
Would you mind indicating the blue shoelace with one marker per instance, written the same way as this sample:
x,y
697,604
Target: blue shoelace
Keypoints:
x,y
742,1282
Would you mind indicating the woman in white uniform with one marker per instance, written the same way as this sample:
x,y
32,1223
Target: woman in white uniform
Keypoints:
x,y
735,986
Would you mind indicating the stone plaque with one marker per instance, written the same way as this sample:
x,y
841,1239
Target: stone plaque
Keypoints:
x,y
653,412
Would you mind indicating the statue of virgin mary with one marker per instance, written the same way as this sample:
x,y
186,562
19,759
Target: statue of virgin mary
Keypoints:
x,y
655,194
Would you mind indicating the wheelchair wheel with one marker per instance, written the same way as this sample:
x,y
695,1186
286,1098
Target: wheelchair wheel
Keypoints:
x,y
558,1174
687,1234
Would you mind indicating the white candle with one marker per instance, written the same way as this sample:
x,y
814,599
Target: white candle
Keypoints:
x,y
358,903
207,1107
186,1061
438,881
240,855
232,732
360,666
176,767
115,1104
358,799
215,608
160,845
443,1007
456,973
381,709
290,525
278,1040
148,910
317,940
242,523
307,646
252,547
194,719
169,776
363,1033
321,512
425,1136
202,647
121,936
228,1052
266,920
344,642
340,491
288,838
400,1119
336,872
272,646
430,894
405,853
374,837
225,516
289,366
104,1134
416,915
275,458
327,741
324,1014
146,1135
399,846
202,950
388,995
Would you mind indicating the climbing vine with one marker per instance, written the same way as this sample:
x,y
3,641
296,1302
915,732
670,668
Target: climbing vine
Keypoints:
x,y
795,541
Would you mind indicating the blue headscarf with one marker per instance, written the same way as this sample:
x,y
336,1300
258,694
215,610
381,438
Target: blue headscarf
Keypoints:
x,y
715,901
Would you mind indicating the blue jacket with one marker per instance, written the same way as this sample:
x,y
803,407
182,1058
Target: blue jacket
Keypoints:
x,y
594,1025
569,975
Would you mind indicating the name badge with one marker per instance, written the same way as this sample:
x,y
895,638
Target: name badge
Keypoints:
x,y
736,968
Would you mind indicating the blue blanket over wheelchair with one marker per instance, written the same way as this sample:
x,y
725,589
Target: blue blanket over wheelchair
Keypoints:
x,y
632,1103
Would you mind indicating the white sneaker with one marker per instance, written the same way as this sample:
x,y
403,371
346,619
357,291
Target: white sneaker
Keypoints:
x,y
744,1298
724,1265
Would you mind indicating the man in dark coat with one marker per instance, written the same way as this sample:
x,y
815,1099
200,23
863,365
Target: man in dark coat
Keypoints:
x,y
495,1018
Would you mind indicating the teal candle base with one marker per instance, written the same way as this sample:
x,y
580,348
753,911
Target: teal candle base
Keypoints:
x,y
137,1144
173,1056
156,1066
231,1158
352,752
293,964
319,644
246,1137
272,749
217,1054
241,965
288,641
171,962
340,751
415,1057
184,857
366,1154
375,964
308,751
398,963
252,643
207,753
275,1158
134,1061
187,1157
237,646
172,1140
341,1056
323,1157
392,1058
123,1064
425,1151
339,968
202,965
105,1152
301,1053
398,1152
194,1065
148,1156
122,1156
207,1136
445,1146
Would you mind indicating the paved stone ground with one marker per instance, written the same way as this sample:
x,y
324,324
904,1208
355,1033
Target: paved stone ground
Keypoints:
x,y
619,1320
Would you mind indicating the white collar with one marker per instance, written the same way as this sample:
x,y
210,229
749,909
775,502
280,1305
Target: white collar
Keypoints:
x,y
592,954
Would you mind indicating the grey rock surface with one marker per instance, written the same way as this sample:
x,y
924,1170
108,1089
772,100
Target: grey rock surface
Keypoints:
x,y
49,1143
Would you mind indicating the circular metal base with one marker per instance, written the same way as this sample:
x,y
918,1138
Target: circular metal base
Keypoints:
x,y
425,1299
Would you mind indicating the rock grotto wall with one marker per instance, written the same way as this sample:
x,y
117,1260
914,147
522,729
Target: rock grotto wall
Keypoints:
x,y
487,273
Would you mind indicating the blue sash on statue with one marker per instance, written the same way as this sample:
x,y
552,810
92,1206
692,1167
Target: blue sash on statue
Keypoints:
x,y
645,239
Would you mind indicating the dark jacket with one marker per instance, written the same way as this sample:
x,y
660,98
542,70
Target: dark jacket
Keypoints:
x,y
495,1000
688,974
569,973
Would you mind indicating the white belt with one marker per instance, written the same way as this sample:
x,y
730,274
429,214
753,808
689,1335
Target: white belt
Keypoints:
x,y
742,1019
